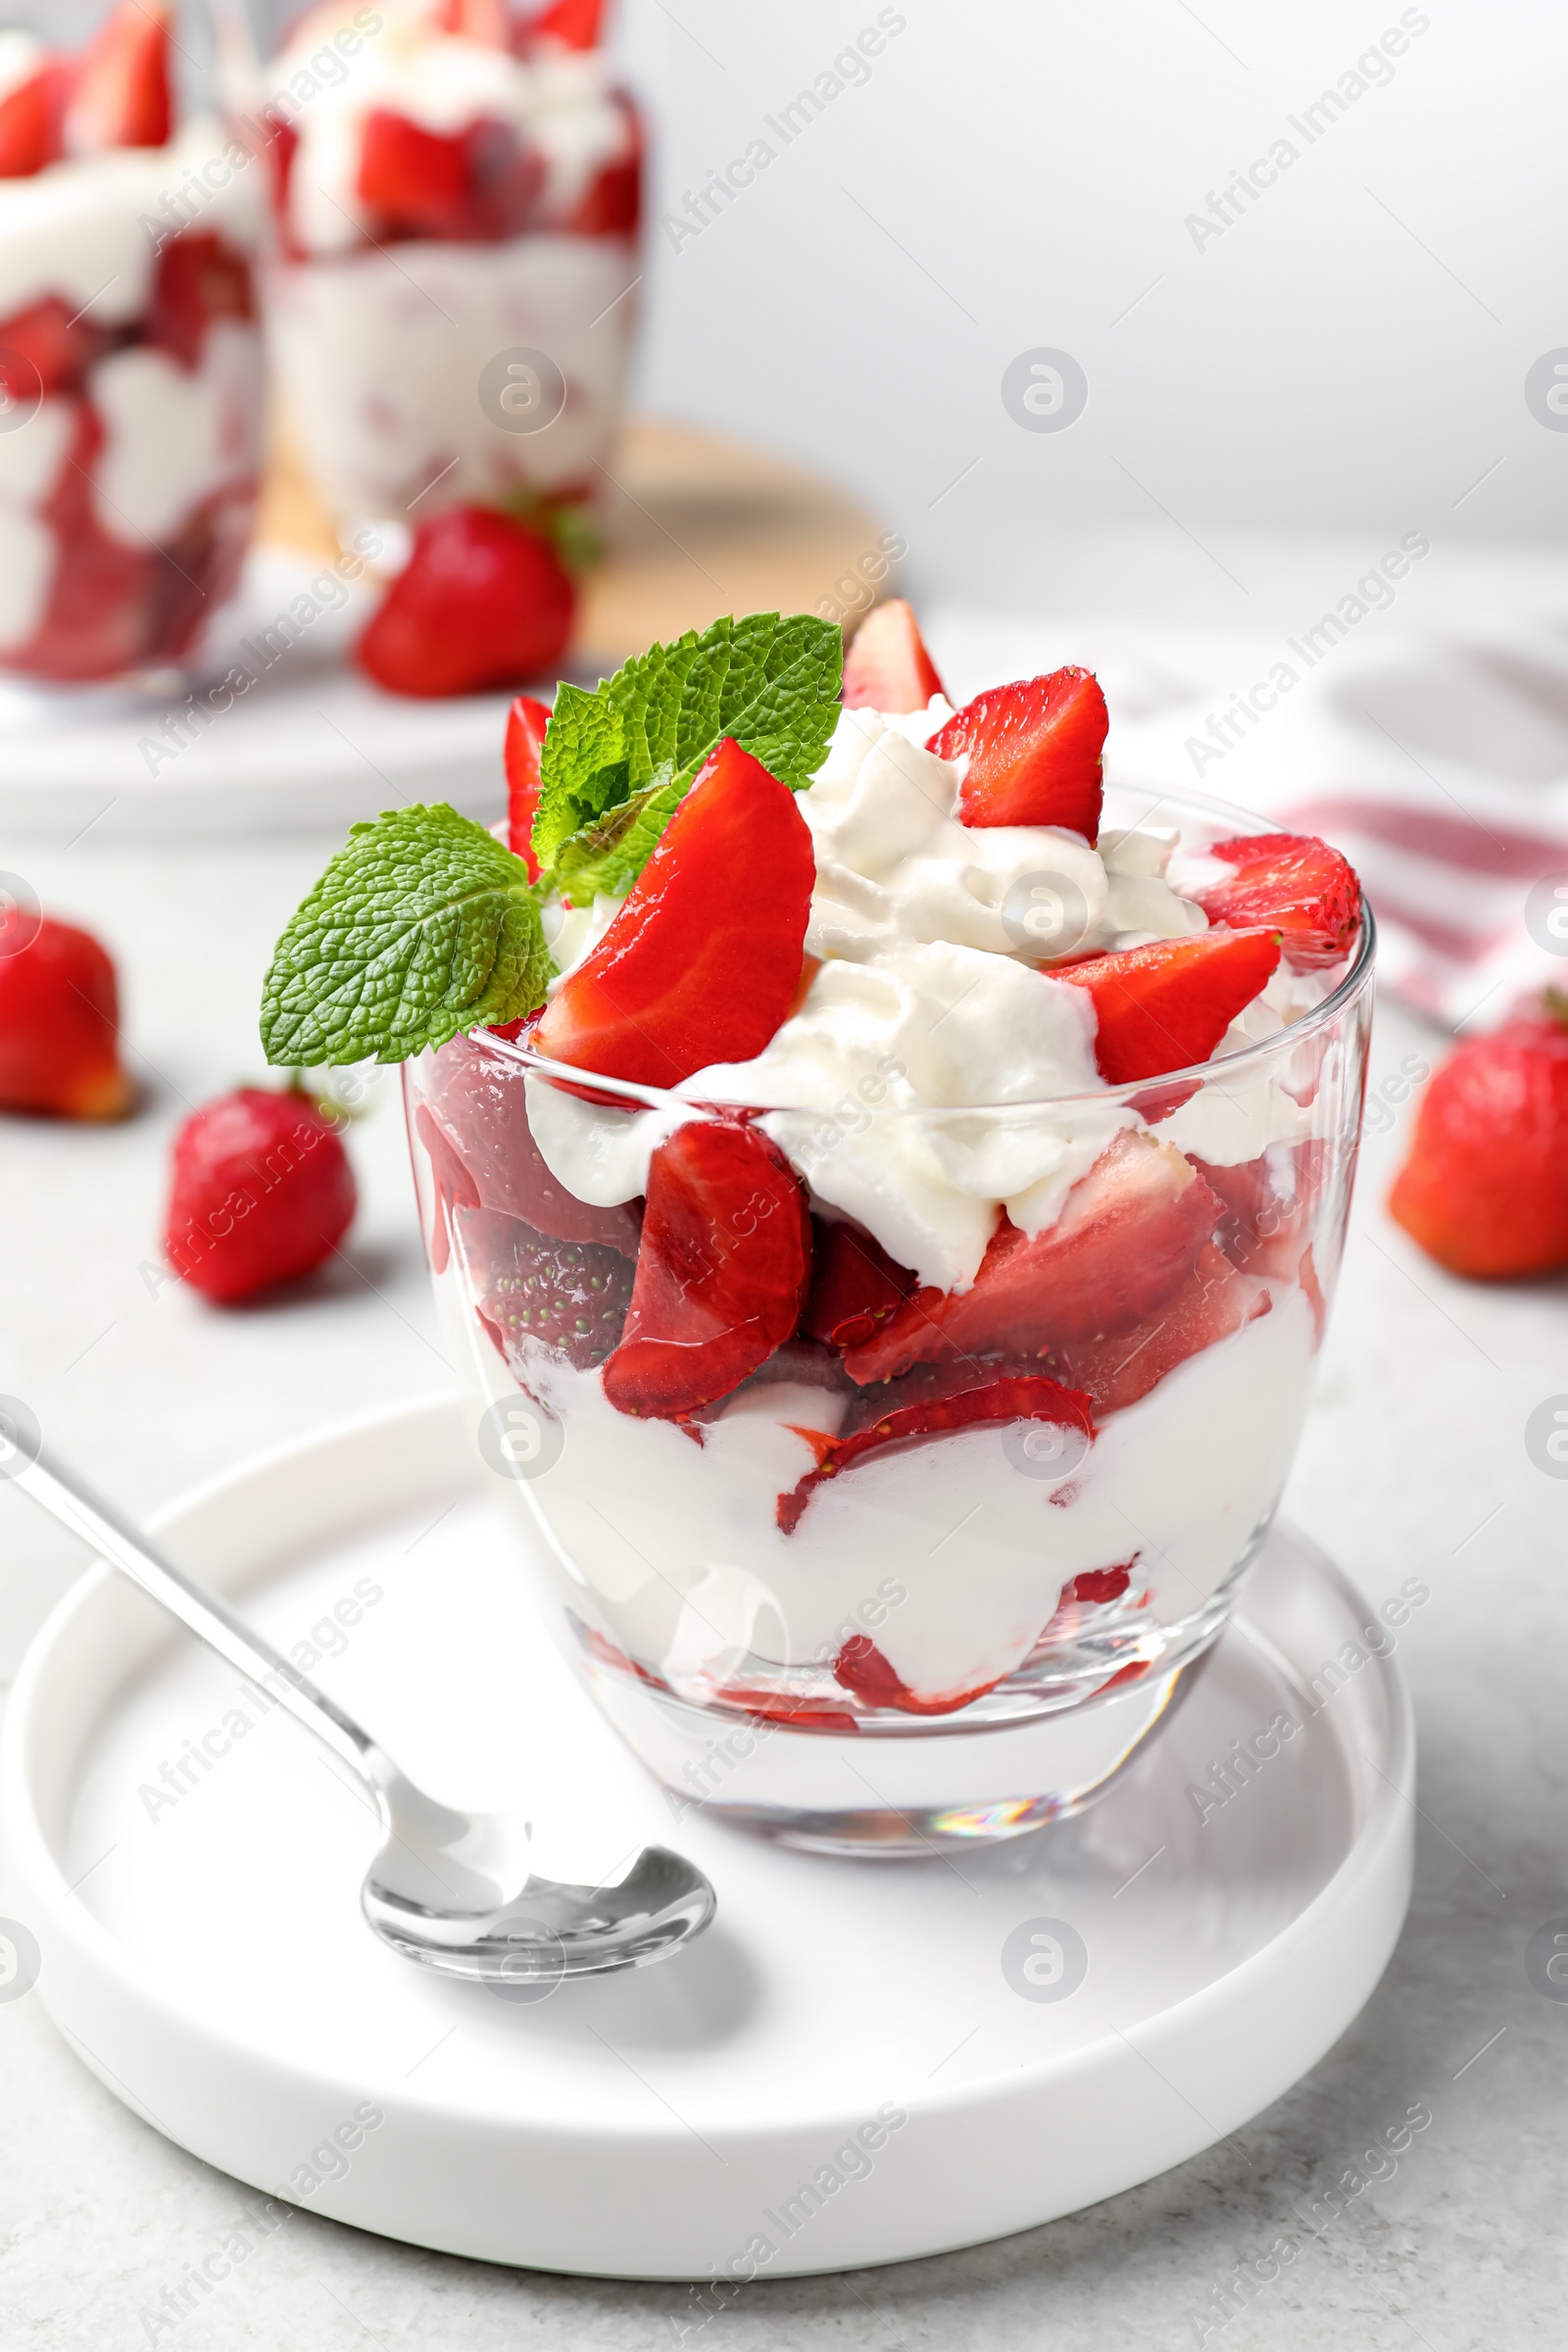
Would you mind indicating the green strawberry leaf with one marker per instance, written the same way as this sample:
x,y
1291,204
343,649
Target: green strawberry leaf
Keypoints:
x,y
769,682
423,925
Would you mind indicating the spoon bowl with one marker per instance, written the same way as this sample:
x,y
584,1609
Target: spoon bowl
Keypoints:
x,y
451,1889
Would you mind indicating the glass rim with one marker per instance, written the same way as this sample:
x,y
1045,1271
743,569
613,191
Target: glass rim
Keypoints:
x,y
1245,1061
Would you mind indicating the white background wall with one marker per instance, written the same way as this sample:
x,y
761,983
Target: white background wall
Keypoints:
x,y
1347,356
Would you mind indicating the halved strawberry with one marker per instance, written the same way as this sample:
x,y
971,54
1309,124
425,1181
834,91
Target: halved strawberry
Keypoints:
x,y
120,96
1097,1586
48,348
569,1296
722,1269
526,722
1212,1300
854,1285
199,279
33,121
481,1112
1034,752
703,961
1166,1006
1297,885
935,1402
1131,1231
887,668
860,1667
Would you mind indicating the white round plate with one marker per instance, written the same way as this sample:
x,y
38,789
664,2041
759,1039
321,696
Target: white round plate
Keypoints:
x,y
311,743
860,2061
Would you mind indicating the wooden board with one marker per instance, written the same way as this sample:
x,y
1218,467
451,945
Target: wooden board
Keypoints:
x,y
695,525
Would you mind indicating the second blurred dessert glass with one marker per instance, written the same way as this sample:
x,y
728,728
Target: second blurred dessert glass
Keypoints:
x,y
452,308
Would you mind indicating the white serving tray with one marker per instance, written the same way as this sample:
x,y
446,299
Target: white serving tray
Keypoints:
x,y
848,2068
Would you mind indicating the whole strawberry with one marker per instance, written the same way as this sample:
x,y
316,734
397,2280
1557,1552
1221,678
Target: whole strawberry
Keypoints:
x,y
59,1020
1484,1190
262,1194
482,603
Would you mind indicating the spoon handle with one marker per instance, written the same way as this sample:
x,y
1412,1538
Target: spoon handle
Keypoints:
x,y
68,1501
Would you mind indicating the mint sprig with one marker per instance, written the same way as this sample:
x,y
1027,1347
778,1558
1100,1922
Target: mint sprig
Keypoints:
x,y
772,683
423,925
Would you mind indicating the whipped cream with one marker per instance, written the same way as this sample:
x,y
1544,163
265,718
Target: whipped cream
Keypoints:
x,y
562,104
80,228
929,1004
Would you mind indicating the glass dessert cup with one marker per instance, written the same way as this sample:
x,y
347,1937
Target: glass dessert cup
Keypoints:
x,y
452,311
130,385
867,1604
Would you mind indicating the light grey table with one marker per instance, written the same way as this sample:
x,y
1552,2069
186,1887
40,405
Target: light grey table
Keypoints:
x,y
1414,1463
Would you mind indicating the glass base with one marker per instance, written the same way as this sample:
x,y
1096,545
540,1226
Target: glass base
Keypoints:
x,y
894,1798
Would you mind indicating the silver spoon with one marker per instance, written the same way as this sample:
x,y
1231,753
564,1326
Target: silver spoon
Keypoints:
x,y
451,1889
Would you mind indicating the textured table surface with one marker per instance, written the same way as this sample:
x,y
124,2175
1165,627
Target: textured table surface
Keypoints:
x,y
1414,1464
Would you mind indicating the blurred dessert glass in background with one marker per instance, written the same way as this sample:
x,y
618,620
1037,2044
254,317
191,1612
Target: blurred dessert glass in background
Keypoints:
x,y
130,357
452,307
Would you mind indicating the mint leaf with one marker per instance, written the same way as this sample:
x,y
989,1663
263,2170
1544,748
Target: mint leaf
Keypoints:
x,y
769,682
611,852
422,926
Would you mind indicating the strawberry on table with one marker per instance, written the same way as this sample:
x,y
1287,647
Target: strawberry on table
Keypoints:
x,y
722,1270
1295,884
936,1403
262,1194
121,94
526,722
482,603
704,959
1484,1190
1034,752
1166,1006
59,1021
1130,1233
887,668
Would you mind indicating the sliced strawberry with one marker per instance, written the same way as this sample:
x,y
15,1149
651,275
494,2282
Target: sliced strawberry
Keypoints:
x,y
1166,1006
1209,1303
474,184
121,92
1131,1231
611,204
571,1297
935,1403
33,121
200,279
95,621
1483,1189
572,23
854,1285
1297,885
721,1272
480,1113
1097,1586
862,1668
801,1363
526,722
481,603
48,348
704,958
59,1022
1270,1202
887,668
1034,752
